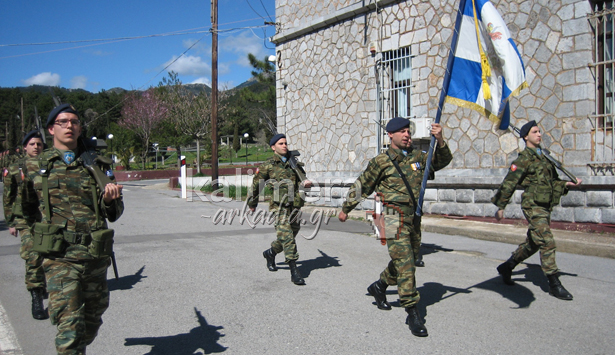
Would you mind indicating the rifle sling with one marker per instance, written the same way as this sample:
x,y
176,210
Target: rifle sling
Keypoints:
x,y
403,177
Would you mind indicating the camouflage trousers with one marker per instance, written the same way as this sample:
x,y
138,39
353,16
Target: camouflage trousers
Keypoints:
x,y
35,277
78,297
401,268
286,226
539,237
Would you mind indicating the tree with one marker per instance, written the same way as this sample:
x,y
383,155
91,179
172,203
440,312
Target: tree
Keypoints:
x,y
142,113
190,112
265,100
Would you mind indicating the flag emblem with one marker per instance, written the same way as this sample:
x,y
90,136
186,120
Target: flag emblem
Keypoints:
x,y
487,68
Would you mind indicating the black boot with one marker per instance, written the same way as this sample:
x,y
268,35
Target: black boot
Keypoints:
x,y
556,289
415,323
269,254
505,270
419,261
38,309
378,291
295,276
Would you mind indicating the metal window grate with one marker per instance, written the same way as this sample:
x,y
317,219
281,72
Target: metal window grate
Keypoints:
x,y
394,75
603,144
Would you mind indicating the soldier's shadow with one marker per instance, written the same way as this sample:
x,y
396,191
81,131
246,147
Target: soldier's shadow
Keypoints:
x,y
200,340
533,273
427,249
324,261
126,282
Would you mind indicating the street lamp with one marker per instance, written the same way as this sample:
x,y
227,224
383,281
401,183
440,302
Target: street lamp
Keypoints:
x,y
110,137
246,135
156,147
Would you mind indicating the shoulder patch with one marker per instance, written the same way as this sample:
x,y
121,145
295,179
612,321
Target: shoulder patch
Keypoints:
x,y
256,171
513,167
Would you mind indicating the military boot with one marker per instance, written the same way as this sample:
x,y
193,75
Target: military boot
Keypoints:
x,y
378,291
556,289
415,323
295,276
269,254
505,270
38,309
419,261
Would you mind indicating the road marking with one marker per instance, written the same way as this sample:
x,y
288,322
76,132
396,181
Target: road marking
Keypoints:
x,y
8,340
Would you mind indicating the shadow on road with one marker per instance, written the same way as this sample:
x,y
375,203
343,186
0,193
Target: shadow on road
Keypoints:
x,y
126,282
533,273
322,262
200,340
427,249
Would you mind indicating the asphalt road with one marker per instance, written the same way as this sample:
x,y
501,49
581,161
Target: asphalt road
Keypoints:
x,y
191,286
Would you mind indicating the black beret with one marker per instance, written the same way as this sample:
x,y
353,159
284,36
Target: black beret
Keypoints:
x,y
525,130
58,110
276,138
30,135
397,123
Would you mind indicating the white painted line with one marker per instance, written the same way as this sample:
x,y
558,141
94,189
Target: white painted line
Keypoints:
x,y
8,340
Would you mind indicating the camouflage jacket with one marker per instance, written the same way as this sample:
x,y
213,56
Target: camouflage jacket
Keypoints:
x,y
538,178
280,177
382,176
71,198
13,178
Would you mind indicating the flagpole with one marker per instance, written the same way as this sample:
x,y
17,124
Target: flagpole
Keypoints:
x,y
445,84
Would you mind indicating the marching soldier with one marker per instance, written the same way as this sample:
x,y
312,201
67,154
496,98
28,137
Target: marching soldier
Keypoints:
x,y
286,202
71,230
13,180
385,174
542,190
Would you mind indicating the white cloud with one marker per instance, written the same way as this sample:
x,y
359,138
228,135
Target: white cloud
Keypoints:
x,y
46,78
189,65
202,80
78,82
242,44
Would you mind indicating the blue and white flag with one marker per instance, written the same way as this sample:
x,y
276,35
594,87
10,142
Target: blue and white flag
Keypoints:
x,y
487,67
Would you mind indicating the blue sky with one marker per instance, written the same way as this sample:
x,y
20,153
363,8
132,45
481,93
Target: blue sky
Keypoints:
x,y
129,63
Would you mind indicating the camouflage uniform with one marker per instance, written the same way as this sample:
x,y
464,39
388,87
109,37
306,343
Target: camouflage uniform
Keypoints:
x,y
286,202
382,176
13,181
542,190
76,280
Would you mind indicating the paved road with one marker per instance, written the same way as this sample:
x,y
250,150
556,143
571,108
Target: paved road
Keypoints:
x,y
189,286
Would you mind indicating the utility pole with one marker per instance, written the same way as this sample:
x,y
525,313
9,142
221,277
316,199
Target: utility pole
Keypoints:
x,y
22,119
214,93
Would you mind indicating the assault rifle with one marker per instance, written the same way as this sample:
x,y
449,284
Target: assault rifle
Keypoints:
x,y
547,154
39,126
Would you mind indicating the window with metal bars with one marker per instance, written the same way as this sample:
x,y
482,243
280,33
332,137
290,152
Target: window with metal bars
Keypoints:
x,y
394,88
602,21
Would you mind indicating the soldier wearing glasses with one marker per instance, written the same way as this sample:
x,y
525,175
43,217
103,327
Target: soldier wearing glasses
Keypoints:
x,y
71,231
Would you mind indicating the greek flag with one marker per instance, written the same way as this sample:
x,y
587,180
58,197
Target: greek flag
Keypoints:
x,y
486,68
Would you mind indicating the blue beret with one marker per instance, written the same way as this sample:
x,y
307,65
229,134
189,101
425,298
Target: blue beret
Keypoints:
x,y
525,130
58,110
397,123
276,138
30,135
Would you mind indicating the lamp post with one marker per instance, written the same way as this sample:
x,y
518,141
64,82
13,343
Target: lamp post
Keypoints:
x,y
110,137
246,135
156,147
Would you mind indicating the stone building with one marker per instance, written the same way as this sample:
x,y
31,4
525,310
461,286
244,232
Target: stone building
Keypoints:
x,y
344,66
